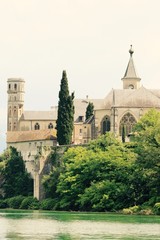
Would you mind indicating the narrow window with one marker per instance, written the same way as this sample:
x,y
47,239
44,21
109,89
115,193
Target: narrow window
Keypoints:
x,y
14,111
37,126
50,126
15,86
14,126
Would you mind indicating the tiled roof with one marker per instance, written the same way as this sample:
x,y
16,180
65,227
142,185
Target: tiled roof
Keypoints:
x,y
81,105
141,97
40,115
34,135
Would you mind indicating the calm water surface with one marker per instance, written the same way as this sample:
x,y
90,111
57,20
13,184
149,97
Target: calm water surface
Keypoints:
x,y
38,225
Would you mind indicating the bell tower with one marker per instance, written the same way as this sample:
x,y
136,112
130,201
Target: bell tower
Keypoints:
x,y
15,102
131,79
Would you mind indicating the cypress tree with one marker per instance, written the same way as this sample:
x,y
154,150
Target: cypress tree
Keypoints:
x,y
65,119
123,134
89,110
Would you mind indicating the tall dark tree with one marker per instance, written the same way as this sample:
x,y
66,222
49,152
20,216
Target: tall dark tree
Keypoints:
x,y
17,180
123,134
65,113
89,110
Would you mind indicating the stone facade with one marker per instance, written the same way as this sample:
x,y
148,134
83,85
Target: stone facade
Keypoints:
x,y
28,131
120,107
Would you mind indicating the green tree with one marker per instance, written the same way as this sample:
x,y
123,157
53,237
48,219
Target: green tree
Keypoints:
x,y
65,119
123,134
89,110
98,173
146,177
16,179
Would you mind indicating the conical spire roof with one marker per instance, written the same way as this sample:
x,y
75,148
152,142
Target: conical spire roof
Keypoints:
x,y
131,79
131,71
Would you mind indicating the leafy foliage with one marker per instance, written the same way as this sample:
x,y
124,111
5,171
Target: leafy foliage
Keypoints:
x,y
94,178
65,113
15,202
146,177
89,110
47,204
29,203
16,179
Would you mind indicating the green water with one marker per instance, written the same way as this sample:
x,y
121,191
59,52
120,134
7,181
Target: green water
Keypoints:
x,y
47,225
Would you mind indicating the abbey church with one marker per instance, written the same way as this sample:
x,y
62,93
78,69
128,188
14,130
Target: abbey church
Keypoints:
x,y
26,130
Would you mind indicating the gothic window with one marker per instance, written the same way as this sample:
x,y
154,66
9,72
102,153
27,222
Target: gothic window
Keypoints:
x,y
37,126
9,86
50,126
106,125
128,121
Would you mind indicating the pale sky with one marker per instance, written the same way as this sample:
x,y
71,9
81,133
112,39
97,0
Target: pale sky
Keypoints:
x,y
89,39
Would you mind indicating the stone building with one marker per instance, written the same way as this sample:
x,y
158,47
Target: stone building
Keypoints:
x,y
28,131
120,107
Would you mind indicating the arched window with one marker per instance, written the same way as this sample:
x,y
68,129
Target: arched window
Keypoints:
x,y
105,125
10,111
128,121
9,86
50,126
15,111
37,126
14,126
15,86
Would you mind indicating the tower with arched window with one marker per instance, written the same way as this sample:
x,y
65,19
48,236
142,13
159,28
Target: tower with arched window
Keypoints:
x,y
15,102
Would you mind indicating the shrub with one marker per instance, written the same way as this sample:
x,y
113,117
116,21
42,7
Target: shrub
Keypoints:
x,y
3,203
156,208
47,204
29,203
135,209
126,211
131,210
15,202
146,211
34,205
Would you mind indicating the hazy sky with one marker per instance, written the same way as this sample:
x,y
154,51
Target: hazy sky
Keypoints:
x,y
89,39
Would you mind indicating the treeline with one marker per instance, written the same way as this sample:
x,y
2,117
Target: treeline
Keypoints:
x,y
108,175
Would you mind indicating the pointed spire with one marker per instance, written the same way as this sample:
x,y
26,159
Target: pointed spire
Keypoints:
x,y
131,79
130,71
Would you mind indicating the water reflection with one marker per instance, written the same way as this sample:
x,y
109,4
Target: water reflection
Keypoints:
x,y
49,225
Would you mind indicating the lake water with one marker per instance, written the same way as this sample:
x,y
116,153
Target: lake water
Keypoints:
x,y
47,225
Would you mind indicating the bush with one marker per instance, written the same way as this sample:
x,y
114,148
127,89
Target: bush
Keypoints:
x,y
156,208
15,202
29,203
34,205
131,210
146,211
126,211
3,203
47,204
